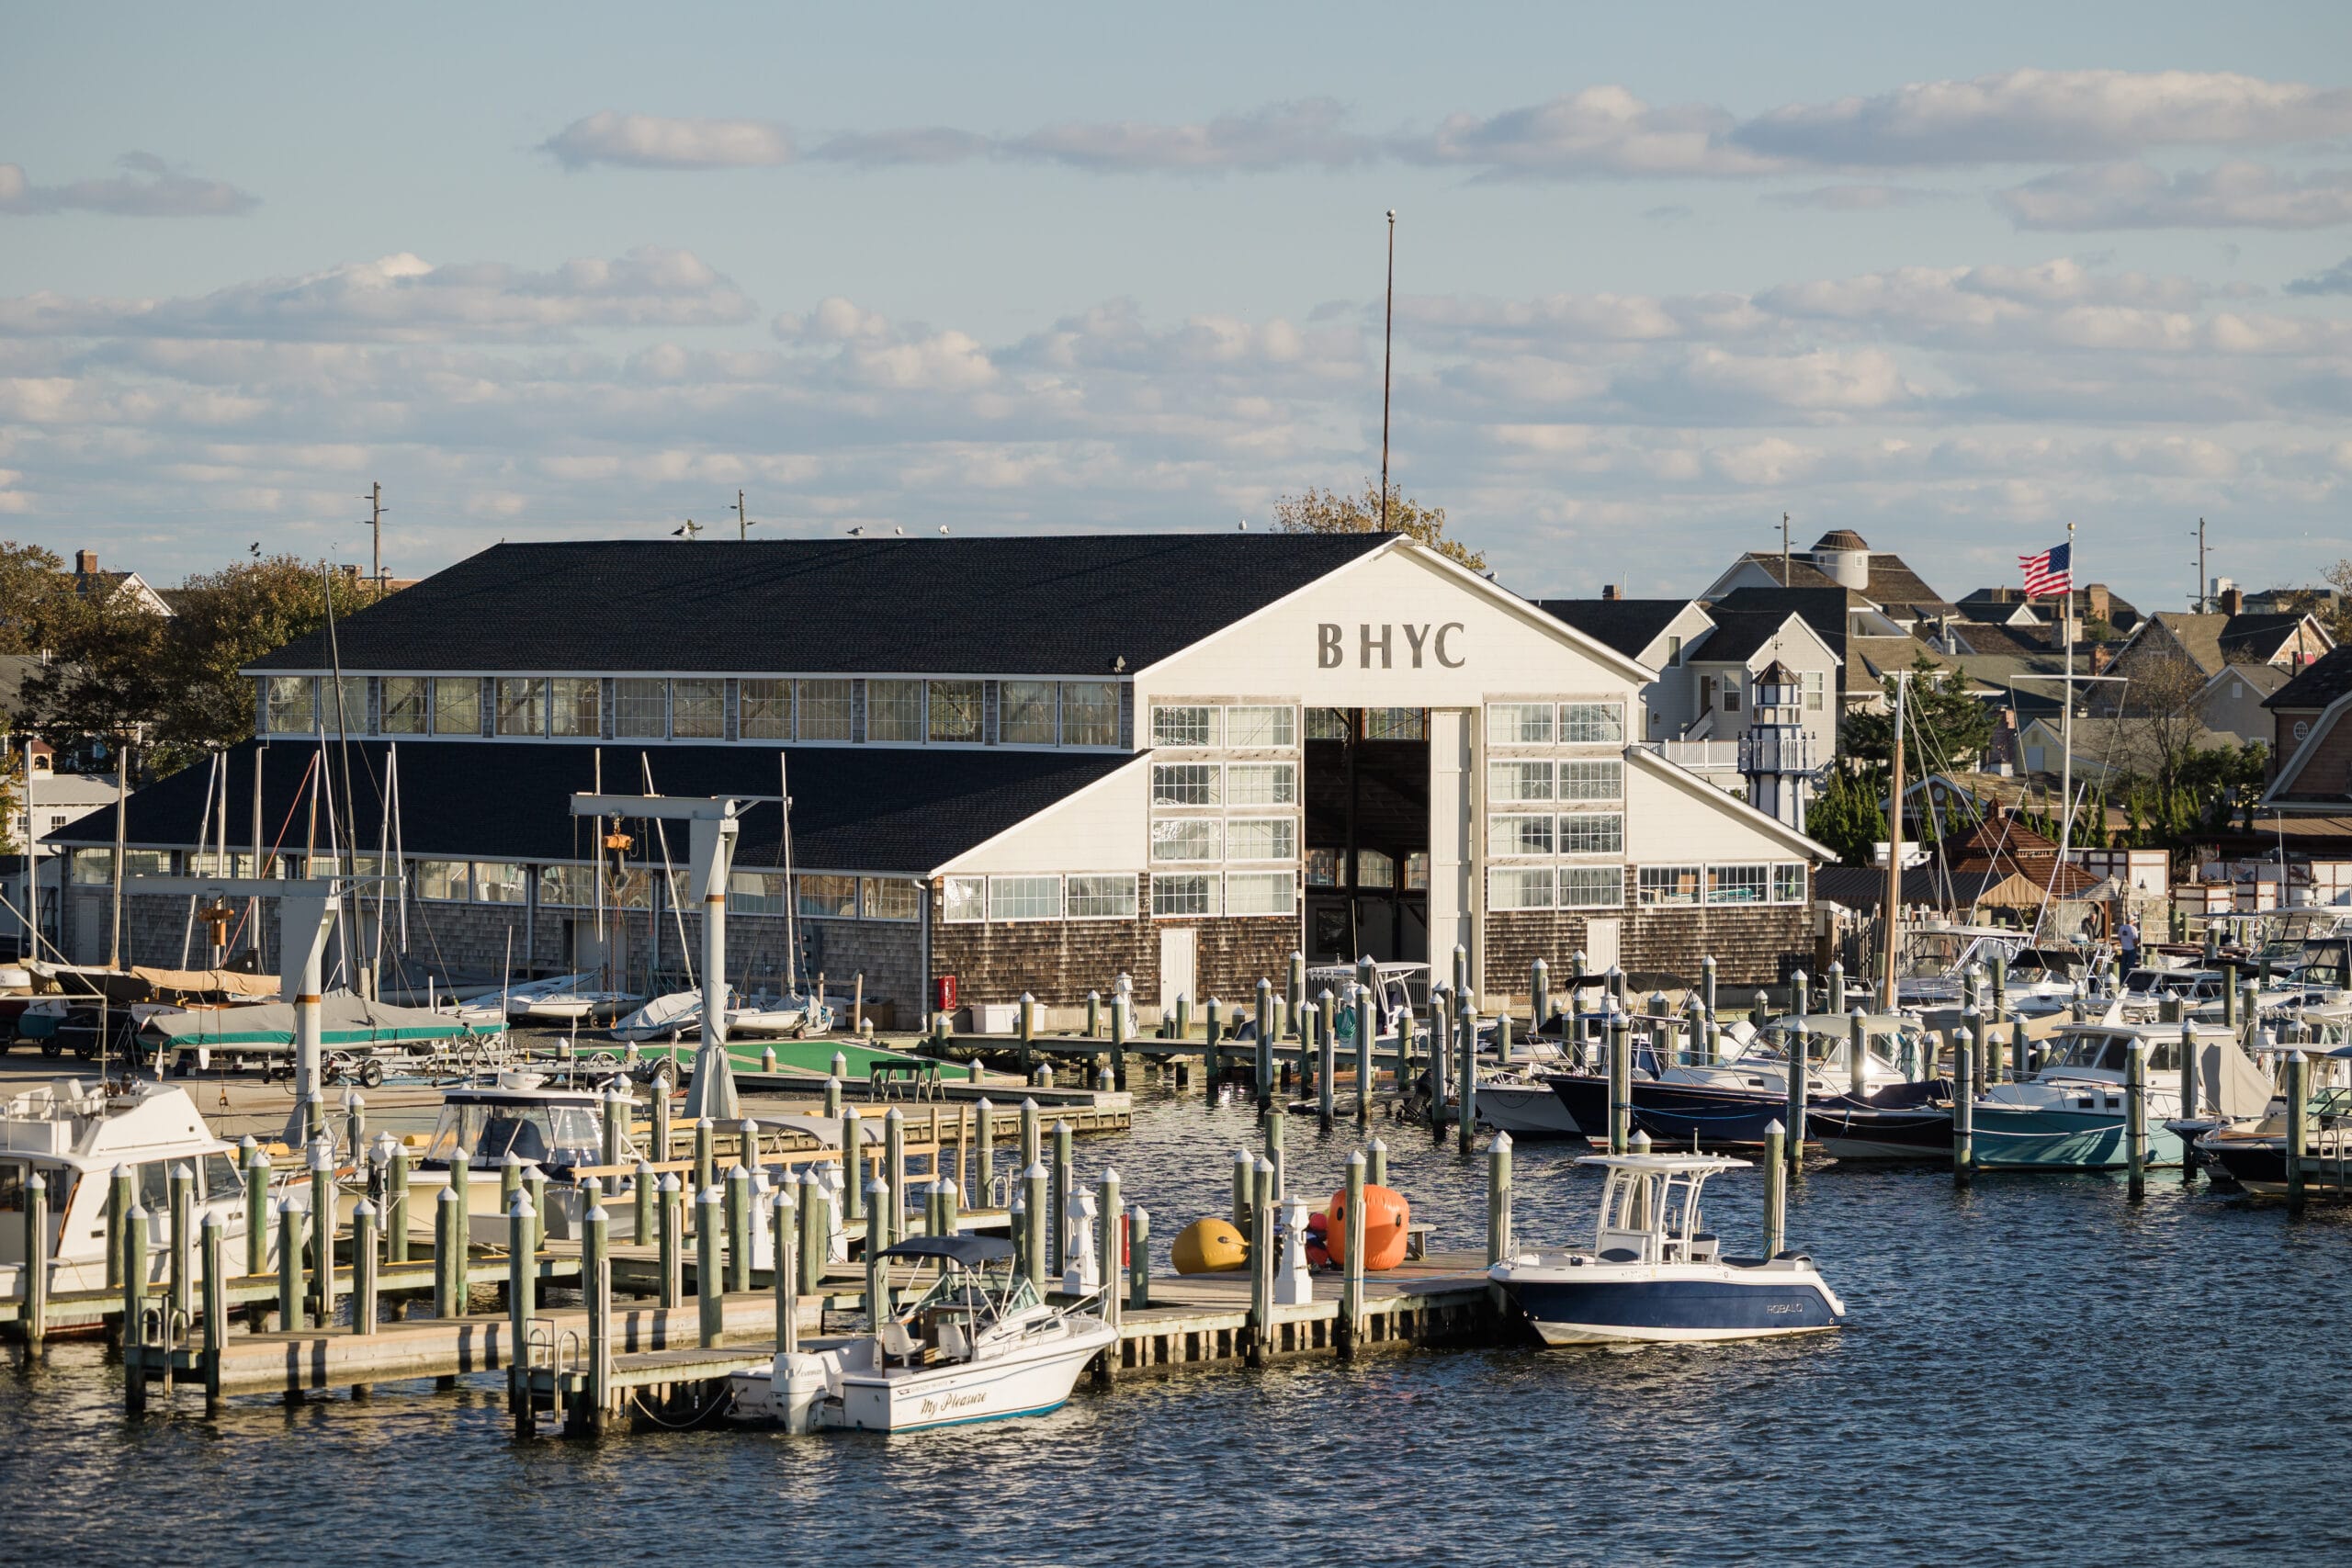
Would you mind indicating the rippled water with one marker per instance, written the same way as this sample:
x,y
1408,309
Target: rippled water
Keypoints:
x,y
2037,1371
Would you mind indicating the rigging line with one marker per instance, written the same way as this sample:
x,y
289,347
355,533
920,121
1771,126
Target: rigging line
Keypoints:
x,y
203,827
791,892
335,855
669,879
291,808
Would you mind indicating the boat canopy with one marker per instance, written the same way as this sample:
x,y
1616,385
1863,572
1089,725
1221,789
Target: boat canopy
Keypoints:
x,y
344,1021
971,1251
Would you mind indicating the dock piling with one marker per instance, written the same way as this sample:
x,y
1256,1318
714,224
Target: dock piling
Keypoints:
x,y
596,1289
1963,1106
1138,1258
1033,1140
1351,1317
815,1237
673,1269
213,1245
1441,1062
1538,996
1498,1240
1024,1029
36,1264
1376,1164
290,1265
1800,1079
363,1267
709,1283
119,1197
1776,1189
522,1306
1327,1062
1621,1082
182,1197
706,1161
257,1173
2135,1117
1123,1025
395,1213
2299,1081
739,1228
448,1256
1857,1053
1112,1238
1367,1020
1032,1198
134,1306
1245,1190
1262,1264
1057,1202
833,1092
894,1174
1707,985
784,1217
1466,1121
641,1193
1295,987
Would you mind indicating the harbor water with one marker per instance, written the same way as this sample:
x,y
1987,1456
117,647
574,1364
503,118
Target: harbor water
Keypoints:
x,y
2036,1370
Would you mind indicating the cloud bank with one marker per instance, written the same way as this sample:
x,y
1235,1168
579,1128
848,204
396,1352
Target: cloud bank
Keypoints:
x,y
148,187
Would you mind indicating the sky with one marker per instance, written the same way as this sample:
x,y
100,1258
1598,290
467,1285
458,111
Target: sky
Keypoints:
x,y
1953,279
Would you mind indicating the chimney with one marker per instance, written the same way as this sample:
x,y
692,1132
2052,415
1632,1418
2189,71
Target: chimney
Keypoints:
x,y
2232,601
85,562
2100,658
1608,591
2098,605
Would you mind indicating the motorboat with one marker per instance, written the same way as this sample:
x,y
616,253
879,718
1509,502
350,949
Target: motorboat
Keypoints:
x,y
666,1016
1731,1104
1398,987
2254,1154
978,1346
1933,967
2147,989
541,1123
2071,1114
74,1133
1655,1274
1519,1100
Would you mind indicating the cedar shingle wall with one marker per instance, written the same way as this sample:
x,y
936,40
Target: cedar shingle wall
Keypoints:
x,y
1057,962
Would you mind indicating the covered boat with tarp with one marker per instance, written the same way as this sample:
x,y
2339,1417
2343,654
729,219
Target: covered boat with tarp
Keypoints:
x,y
350,1026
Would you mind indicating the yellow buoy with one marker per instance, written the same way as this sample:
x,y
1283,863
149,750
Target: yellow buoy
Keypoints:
x,y
1211,1246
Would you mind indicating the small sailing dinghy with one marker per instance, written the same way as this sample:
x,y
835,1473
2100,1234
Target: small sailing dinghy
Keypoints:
x,y
1654,1275
977,1346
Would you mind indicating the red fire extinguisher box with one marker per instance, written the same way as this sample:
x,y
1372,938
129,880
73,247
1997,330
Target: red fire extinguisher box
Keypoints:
x,y
945,1002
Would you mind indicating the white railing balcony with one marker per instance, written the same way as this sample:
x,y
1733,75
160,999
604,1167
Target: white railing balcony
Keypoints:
x,y
1700,756
1775,750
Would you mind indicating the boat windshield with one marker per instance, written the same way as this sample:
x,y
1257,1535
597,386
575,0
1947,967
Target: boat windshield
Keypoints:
x,y
1929,955
540,1134
2103,1053
2323,964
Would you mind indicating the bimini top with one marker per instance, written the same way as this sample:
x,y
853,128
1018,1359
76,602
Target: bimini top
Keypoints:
x,y
1667,1165
971,1251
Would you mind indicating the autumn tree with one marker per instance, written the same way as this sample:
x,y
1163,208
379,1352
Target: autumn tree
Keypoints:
x,y
1943,726
36,594
1330,511
229,619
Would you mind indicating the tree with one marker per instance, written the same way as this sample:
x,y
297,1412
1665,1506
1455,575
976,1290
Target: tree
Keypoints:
x,y
1846,815
2160,728
1943,725
36,593
2335,612
108,674
1329,512
226,620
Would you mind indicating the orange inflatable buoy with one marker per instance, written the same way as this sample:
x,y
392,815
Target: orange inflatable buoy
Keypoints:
x,y
1385,1217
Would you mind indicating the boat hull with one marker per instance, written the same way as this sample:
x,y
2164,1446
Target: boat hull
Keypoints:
x,y
1527,1111
1708,1302
2044,1138
1874,1133
1028,1381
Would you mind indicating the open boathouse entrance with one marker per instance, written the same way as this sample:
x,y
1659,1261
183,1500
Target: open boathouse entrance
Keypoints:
x,y
1367,863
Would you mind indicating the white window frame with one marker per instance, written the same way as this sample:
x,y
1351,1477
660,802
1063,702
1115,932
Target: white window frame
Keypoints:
x,y
1661,897
1581,770
1111,737
1614,704
805,702
775,688
1165,829
1518,880
1816,686
1519,826
1615,876
1282,828
1025,889
1568,816
1284,717
1763,888
1520,772
1784,874
756,892
573,687
875,703
1125,884
1208,775
1185,725
964,900
716,695
1209,885
870,905
622,718
1517,719
1262,878
800,881
1053,712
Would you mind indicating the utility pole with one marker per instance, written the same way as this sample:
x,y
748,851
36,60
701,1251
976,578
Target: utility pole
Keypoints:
x,y
375,500
1784,549
1388,352
743,523
2204,600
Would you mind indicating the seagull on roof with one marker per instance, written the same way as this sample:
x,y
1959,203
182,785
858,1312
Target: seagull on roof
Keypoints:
x,y
858,532
900,532
943,530
686,530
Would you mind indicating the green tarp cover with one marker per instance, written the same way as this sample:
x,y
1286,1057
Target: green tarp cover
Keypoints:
x,y
344,1021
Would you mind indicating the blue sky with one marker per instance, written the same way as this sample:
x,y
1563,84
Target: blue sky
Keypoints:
x,y
1953,280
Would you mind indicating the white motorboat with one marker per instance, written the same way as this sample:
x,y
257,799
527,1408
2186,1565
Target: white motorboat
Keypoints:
x,y
1519,1100
1655,1274
974,1348
540,1124
73,1134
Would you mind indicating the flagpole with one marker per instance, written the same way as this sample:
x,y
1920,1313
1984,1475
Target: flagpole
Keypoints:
x,y
2066,721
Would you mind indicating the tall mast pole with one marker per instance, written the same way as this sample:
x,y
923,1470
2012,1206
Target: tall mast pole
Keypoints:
x,y
2066,716
1894,849
1387,356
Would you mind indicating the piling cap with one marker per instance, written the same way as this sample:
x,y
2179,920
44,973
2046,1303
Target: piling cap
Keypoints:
x,y
1502,1141
894,1114
1036,1172
213,1222
1379,1146
248,1143
740,1173
1355,1161
1774,1130
1242,1156
511,1158
36,1178
1028,1105
291,1203
363,1210
520,1209
1265,1166
1111,1174
121,1173
876,1184
449,1195
1639,1143
711,1196
182,1172
669,1182
782,1198
705,1125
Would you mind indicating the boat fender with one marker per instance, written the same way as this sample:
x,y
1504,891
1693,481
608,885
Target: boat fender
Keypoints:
x,y
1386,1217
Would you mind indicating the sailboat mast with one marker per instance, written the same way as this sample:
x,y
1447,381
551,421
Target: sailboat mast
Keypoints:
x,y
1894,848
791,900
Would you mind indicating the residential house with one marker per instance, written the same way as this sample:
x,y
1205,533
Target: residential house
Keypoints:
x,y
89,580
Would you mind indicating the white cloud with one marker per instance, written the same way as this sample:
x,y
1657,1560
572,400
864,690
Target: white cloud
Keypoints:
x,y
2134,195
2031,116
149,188
405,297
1857,197
657,141
883,149
1305,133
1600,130
2337,279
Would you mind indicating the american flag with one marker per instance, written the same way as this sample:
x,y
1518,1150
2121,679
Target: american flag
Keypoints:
x,y
2052,572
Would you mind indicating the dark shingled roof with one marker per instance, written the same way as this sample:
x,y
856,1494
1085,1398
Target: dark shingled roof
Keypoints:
x,y
1628,625
1824,609
1037,604
1864,887
1740,633
1840,539
2321,682
853,809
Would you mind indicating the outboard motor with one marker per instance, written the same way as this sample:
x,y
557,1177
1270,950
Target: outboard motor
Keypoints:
x,y
797,1384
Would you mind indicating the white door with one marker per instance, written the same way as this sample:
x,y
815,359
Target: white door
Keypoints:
x,y
1179,966
1601,944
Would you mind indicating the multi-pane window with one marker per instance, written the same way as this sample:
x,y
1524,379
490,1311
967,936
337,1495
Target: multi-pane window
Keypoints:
x,y
891,899
1593,833
764,709
407,704
575,705
522,705
1270,838
1024,713
824,711
1519,835
292,709
457,705
1592,886
829,898
1247,727
1670,884
1184,838
1592,780
450,880
1519,887
1738,884
1511,782
1374,869
1733,681
755,893
1519,724
1591,724
1187,894
1323,867
1788,883
1261,784
894,710
630,890
1396,724
1814,683
1260,893
567,887
1328,724
641,707
1417,871
964,899
351,717
1024,898
1108,898
1184,783
698,710
501,881
955,711
1183,727
1090,712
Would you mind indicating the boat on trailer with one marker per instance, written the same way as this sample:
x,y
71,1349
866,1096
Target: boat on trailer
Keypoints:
x,y
976,1347
1656,1275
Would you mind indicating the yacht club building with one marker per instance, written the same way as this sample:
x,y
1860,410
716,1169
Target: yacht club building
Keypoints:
x,y
1026,764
